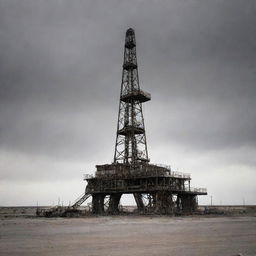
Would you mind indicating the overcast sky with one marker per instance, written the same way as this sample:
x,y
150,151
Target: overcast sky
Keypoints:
x,y
60,76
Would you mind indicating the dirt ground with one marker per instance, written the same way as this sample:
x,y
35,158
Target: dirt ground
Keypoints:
x,y
129,235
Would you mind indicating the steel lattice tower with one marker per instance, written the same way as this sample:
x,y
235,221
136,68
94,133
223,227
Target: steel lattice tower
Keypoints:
x,y
131,144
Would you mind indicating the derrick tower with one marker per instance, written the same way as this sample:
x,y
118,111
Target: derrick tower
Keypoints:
x,y
131,144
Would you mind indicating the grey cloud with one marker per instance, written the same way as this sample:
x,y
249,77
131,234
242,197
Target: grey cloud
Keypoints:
x,y
60,75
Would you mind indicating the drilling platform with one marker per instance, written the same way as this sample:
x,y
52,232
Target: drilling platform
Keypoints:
x,y
156,188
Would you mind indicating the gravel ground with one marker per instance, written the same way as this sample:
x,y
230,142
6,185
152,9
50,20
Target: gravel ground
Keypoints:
x,y
129,235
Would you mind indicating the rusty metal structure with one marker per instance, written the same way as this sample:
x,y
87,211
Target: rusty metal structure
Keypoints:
x,y
156,188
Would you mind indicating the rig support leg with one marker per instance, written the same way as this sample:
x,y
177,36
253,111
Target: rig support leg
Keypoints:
x,y
178,204
139,201
188,203
164,203
98,203
114,203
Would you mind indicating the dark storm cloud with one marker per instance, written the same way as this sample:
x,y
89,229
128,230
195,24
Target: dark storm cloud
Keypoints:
x,y
60,74
65,56
50,78
207,72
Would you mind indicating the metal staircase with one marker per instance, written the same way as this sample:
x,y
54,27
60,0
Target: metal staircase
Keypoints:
x,y
80,200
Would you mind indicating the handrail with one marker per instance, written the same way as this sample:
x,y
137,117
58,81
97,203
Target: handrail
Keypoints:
x,y
88,176
80,200
135,92
200,190
164,166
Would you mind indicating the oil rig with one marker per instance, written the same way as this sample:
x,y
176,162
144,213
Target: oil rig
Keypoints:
x,y
156,188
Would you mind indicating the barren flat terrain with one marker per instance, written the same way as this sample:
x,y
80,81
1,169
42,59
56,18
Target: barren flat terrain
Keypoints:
x,y
129,235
